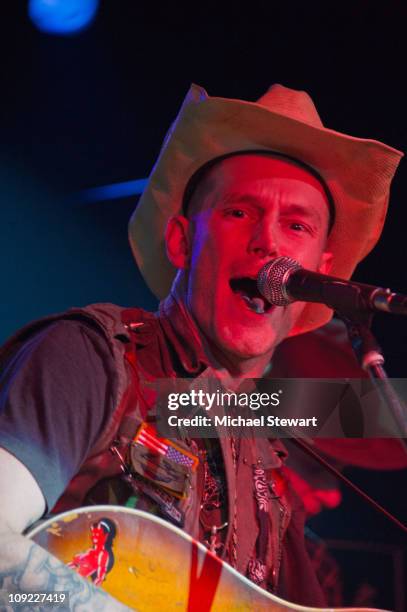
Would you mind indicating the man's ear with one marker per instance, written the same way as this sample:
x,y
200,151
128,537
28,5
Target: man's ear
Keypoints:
x,y
177,241
325,264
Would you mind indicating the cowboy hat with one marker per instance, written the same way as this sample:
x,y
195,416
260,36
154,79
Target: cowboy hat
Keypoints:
x,y
357,172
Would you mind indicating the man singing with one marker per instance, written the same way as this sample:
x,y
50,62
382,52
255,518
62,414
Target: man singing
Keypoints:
x,y
236,185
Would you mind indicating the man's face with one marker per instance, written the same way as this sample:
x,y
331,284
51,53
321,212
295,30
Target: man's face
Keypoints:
x,y
250,209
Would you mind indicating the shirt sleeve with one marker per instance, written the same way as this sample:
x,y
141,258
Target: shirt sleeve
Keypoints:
x,y
56,396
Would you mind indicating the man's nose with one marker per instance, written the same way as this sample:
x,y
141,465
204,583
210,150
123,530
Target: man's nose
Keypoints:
x,y
264,241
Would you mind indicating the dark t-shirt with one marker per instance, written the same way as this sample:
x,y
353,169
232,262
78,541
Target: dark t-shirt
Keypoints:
x,y
56,397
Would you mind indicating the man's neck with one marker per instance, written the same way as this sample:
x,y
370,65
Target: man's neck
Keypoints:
x,y
235,367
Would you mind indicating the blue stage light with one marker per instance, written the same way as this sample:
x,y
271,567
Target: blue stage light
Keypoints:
x,y
112,192
62,16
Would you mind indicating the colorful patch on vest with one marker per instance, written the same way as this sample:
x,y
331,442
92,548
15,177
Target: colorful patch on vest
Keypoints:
x,y
162,461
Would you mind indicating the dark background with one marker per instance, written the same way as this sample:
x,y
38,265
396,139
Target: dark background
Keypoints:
x,y
92,109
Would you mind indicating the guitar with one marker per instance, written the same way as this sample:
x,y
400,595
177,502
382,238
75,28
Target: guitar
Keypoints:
x,y
150,565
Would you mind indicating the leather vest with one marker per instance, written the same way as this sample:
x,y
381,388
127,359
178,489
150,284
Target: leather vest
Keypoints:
x,y
146,347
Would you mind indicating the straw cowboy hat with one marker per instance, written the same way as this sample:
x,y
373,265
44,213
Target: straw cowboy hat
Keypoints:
x,y
357,172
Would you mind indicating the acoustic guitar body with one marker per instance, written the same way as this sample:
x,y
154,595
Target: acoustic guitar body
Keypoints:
x,y
149,564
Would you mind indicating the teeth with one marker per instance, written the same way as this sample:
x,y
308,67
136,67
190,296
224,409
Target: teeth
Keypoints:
x,y
256,304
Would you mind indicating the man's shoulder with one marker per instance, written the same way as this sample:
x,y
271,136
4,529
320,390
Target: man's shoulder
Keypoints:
x,y
322,353
104,320
111,317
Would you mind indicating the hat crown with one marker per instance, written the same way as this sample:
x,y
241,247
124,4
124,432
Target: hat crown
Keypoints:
x,y
292,103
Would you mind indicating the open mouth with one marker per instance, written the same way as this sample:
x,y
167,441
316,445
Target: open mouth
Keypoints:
x,y
246,288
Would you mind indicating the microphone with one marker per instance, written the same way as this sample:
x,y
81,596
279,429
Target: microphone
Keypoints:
x,y
283,280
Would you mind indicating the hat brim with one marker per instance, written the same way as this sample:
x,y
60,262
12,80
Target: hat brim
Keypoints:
x,y
357,171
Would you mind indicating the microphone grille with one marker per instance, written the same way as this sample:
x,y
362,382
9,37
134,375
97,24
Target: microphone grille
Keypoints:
x,y
272,278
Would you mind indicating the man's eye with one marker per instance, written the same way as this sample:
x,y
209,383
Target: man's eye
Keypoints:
x,y
238,213
298,227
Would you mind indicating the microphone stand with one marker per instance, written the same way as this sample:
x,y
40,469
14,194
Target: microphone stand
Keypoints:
x,y
371,359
